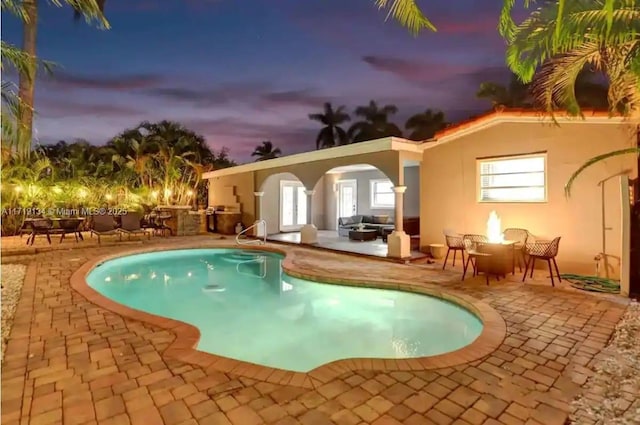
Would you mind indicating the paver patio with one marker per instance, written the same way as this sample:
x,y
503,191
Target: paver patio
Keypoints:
x,y
69,361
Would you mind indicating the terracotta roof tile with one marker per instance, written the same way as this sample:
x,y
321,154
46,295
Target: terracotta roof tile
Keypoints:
x,y
507,112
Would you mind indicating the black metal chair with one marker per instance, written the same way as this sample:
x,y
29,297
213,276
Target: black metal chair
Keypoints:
x,y
546,251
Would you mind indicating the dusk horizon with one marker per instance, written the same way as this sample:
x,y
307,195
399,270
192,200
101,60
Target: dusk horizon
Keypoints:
x,y
255,73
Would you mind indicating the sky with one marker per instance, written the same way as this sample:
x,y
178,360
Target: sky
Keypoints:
x,y
243,71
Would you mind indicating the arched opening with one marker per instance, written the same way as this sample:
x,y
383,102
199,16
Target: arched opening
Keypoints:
x,y
284,203
358,190
351,207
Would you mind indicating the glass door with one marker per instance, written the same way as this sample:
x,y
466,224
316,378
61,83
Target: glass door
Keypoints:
x,y
347,198
293,206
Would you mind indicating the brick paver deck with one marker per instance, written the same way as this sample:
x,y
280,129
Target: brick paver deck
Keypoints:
x,y
70,361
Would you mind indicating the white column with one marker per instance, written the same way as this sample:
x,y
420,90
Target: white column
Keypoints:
x,y
261,229
398,242
309,232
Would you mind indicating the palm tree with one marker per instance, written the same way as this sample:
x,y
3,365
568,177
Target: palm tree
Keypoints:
x,y
424,125
331,134
515,95
589,93
556,42
375,123
266,151
25,60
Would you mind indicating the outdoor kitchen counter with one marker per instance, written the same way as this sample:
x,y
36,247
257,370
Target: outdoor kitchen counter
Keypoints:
x,y
226,221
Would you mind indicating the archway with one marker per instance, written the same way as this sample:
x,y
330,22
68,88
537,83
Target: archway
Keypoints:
x,y
283,203
357,190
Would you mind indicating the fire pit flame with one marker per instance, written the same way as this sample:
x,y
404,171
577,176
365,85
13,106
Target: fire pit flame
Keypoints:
x,y
494,232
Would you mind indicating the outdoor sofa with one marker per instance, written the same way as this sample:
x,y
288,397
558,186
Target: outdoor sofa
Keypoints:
x,y
376,222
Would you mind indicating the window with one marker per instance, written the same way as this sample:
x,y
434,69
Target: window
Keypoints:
x,y
513,179
382,195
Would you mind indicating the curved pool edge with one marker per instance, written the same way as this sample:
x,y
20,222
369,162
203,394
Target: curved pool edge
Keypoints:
x,y
187,336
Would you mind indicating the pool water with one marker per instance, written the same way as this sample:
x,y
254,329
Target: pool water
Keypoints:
x,y
247,308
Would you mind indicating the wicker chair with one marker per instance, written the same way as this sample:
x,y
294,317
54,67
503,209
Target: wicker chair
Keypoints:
x,y
454,243
470,243
520,237
542,250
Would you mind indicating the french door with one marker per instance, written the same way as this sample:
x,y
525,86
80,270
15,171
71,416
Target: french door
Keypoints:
x,y
347,198
293,206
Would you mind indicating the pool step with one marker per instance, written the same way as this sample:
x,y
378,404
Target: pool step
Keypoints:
x,y
241,257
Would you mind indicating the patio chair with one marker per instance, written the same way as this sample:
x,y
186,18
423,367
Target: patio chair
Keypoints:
x,y
470,243
131,225
543,250
454,243
104,225
41,226
25,227
70,225
519,236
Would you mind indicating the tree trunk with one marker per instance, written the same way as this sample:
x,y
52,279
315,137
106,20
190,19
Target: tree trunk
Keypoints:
x,y
27,79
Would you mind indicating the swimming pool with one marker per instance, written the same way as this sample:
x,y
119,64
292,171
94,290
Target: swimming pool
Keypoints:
x,y
247,308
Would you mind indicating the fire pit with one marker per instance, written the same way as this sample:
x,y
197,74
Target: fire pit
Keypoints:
x,y
502,259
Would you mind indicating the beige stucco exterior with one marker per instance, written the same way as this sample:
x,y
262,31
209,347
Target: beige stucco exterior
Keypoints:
x,y
238,184
449,187
589,223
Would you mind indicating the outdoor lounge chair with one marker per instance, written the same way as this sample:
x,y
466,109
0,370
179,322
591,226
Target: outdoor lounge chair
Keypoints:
x,y
131,225
104,225
41,226
70,225
543,250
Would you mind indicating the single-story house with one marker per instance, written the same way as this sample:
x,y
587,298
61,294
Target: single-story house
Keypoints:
x,y
513,162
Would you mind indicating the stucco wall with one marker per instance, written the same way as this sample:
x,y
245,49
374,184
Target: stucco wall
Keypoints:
x,y
243,188
449,188
363,178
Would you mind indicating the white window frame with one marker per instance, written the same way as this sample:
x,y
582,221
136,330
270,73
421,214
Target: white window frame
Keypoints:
x,y
372,192
479,175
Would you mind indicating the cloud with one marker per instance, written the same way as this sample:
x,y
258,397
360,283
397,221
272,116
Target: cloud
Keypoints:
x,y
202,96
97,82
253,94
415,71
63,108
242,136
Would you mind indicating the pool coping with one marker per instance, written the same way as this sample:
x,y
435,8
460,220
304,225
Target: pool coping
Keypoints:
x,y
183,348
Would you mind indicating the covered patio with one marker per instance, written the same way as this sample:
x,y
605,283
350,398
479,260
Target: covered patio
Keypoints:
x,y
349,198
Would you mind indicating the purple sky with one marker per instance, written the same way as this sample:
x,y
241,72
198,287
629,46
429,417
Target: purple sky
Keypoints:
x,y
240,72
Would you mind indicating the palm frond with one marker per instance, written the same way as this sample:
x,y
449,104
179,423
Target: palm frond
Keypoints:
x,y
408,14
593,161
